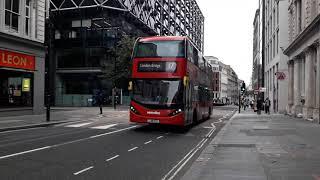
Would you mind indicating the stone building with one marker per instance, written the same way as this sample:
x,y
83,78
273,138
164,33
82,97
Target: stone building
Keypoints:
x,y
257,72
304,58
275,64
232,88
225,79
216,79
22,56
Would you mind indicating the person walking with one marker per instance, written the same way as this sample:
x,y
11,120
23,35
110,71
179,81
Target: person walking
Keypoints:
x,y
267,103
100,100
259,105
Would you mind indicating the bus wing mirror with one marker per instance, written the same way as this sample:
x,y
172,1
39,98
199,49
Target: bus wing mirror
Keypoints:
x,y
130,86
185,81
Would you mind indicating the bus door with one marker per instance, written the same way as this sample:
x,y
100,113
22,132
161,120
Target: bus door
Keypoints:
x,y
188,103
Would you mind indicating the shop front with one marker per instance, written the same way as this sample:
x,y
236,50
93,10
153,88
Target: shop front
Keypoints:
x,y
16,80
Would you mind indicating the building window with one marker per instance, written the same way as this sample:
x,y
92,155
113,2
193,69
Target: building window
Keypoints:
x,y
298,15
274,18
274,47
277,41
270,80
12,15
278,13
27,23
271,49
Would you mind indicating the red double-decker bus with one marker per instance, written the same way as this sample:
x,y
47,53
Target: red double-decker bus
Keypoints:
x,y
170,82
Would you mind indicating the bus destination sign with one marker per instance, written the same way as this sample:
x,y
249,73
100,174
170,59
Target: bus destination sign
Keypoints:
x,y
157,66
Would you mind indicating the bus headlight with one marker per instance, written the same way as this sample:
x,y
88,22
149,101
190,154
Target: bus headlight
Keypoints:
x,y
175,112
134,110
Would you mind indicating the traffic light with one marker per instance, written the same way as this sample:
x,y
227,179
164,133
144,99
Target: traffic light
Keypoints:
x,y
243,88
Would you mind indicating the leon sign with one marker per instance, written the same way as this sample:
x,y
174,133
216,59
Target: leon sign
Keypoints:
x,y
16,60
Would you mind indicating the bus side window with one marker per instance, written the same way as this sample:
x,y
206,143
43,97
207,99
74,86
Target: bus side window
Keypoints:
x,y
195,56
190,52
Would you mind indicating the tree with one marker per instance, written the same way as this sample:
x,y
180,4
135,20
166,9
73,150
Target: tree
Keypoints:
x,y
121,54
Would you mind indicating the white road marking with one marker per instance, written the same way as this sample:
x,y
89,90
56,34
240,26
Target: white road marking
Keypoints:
x,y
24,152
110,159
78,125
159,137
65,143
83,170
132,149
184,160
104,127
148,142
108,133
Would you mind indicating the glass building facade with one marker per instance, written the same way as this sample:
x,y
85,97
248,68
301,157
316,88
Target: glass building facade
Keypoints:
x,y
84,33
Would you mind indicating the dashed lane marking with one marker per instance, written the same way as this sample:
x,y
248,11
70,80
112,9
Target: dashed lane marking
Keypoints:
x,y
148,142
65,143
132,149
83,170
112,158
159,137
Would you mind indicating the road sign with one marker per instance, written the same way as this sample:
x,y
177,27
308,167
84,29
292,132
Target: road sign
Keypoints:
x,y
281,75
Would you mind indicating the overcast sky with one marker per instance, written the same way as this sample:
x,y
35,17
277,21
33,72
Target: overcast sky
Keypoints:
x,y
229,33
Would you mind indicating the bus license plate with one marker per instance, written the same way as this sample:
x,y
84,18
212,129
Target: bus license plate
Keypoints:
x,y
154,121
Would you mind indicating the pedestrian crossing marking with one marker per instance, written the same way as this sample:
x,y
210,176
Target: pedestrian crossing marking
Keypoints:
x,y
79,125
104,127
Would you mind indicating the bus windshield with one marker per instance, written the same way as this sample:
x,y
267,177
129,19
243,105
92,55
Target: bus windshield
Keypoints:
x,y
160,49
158,93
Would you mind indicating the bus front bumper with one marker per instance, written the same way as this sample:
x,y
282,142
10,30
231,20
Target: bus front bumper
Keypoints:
x,y
177,120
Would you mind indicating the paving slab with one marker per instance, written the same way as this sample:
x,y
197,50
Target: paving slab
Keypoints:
x,y
252,146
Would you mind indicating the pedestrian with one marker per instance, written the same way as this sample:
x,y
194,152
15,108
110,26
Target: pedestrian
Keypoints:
x,y
259,106
267,104
100,100
251,104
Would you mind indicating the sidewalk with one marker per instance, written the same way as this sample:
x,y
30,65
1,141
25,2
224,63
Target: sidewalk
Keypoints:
x,y
59,115
265,147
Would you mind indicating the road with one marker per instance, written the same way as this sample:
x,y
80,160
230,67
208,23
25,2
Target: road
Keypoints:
x,y
100,149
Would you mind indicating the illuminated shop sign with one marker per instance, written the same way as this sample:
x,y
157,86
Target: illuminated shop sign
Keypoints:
x,y
26,84
17,60
157,66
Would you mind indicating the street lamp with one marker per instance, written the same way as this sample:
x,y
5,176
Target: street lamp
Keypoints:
x,y
49,68
114,89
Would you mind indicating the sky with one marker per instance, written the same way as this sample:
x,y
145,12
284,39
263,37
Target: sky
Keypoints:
x,y
229,33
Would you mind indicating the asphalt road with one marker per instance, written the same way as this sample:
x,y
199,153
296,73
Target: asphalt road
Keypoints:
x,y
105,150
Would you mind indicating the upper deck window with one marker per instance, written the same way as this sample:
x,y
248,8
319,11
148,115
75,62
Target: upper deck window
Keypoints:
x,y
160,49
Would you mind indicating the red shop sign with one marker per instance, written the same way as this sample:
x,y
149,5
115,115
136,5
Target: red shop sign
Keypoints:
x,y
17,60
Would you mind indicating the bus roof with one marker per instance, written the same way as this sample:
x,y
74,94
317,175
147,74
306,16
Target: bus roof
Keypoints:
x,y
162,38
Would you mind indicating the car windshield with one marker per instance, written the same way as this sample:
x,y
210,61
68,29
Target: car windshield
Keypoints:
x,y
160,49
157,93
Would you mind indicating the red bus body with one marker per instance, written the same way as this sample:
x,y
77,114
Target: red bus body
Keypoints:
x,y
169,90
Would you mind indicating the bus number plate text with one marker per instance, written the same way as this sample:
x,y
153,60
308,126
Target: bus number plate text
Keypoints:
x,y
153,121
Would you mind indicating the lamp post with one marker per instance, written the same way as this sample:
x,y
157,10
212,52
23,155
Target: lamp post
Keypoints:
x,y
49,66
114,89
